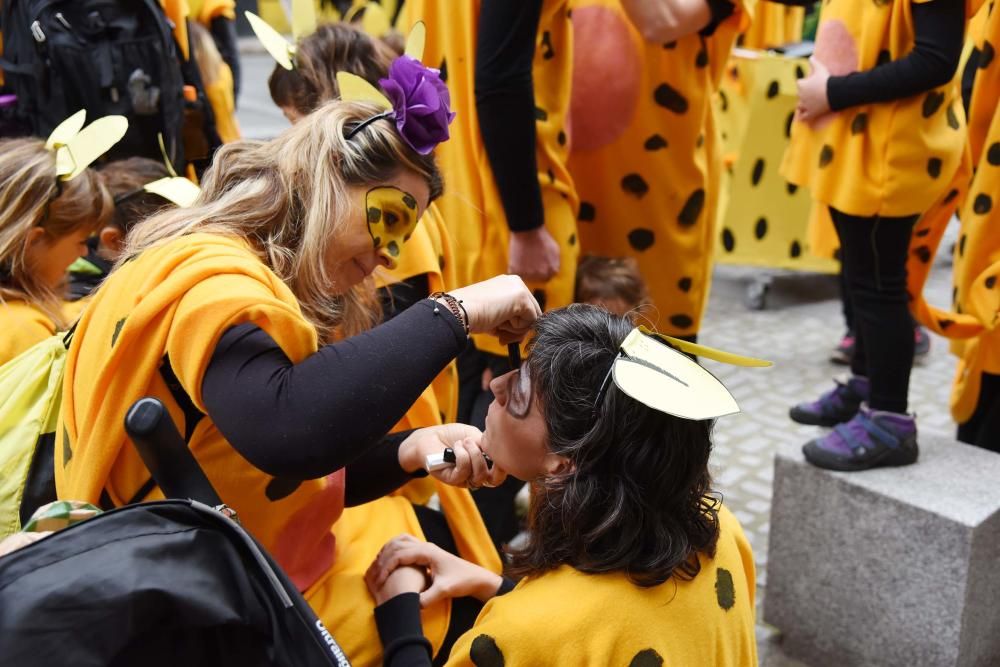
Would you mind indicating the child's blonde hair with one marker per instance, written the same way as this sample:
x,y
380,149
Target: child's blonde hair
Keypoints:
x,y
609,279
32,196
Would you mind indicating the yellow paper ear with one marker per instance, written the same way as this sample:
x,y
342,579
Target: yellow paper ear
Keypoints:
x,y
389,7
416,40
375,22
355,89
276,45
708,352
303,18
89,144
178,190
66,130
352,11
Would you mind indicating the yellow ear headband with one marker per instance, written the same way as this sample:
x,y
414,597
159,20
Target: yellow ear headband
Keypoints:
x,y
283,51
77,147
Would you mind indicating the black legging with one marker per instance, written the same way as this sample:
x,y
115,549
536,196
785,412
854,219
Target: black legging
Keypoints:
x,y
983,428
874,252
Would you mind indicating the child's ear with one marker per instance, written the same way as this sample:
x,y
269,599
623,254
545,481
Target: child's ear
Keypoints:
x,y
36,235
112,238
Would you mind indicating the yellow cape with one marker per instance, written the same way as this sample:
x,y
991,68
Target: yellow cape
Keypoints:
x,y
22,325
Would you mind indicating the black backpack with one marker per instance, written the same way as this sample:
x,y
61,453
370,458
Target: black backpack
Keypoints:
x,y
108,57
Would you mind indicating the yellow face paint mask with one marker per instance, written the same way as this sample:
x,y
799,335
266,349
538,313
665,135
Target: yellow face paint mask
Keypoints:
x,y
392,217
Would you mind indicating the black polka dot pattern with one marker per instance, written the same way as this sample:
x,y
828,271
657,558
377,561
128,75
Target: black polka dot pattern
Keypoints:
x,y
792,188
982,204
646,658
961,245
692,208
934,167
441,262
772,90
701,60
670,45
279,488
635,185
67,448
953,121
923,253
920,233
725,589
986,55
541,114
795,251
758,172
548,53
571,240
859,124
670,99
825,155
552,175
684,284
641,238
444,70
484,652
993,154
587,212
990,282
728,240
932,103
655,143
799,72
951,196
788,123
760,229
944,324
723,100
118,329
561,138
681,321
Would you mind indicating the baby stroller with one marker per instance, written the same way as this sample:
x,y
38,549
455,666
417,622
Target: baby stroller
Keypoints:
x,y
176,582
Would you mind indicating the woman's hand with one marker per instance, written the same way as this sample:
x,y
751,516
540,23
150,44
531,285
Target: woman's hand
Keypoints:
x,y
502,306
813,101
451,577
401,580
472,469
533,255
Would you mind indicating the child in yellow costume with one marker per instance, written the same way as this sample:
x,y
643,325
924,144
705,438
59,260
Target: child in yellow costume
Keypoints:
x,y
268,265
45,219
645,153
663,575
878,138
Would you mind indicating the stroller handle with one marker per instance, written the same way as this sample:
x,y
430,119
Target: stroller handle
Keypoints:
x,y
166,455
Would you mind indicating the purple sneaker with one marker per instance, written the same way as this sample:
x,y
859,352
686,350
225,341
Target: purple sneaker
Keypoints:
x,y
835,406
872,439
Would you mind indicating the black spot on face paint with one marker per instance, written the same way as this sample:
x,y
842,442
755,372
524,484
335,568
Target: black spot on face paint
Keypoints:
x,y
681,321
758,171
982,204
825,155
953,121
859,124
646,658
993,154
393,249
990,282
932,103
795,250
728,240
410,201
484,652
760,229
655,143
587,212
934,167
118,329
773,89
692,208
923,253
670,99
641,238
376,241
725,589
684,284
279,488
374,215
792,188
635,185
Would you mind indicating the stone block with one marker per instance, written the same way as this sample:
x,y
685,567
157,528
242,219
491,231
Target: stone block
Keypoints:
x,y
895,566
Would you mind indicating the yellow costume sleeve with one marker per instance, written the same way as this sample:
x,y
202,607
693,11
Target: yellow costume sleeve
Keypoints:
x,y
203,11
22,326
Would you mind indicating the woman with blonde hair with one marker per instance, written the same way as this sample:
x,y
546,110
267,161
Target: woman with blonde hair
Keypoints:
x,y
252,307
44,222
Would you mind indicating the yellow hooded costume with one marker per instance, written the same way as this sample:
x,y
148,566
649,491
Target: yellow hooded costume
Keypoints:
x,y
22,325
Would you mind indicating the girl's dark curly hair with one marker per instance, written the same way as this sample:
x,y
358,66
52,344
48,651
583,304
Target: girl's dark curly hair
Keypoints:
x,y
636,500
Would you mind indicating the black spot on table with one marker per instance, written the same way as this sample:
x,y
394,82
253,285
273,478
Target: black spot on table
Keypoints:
x,y
444,70
982,204
692,208
773,89
646,658
795,250
859,124
932,103
635,185
728,240
923,253
279,488
953,121
670,98
681,321
587,212
484,652
993,154
655,143
934,167
684,284
118,329
825,155
725,589
760,229
758,172
641,238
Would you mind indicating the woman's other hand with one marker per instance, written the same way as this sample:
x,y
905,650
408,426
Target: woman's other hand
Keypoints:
x,y
401,580
502,306
533,255
813,101
472,469
451,576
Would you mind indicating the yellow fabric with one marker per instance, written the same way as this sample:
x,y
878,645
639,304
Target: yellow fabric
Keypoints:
x,y
73,309
220,96
177,11
566,617
773,25
471,204
645,158
891,159
203,11
21,326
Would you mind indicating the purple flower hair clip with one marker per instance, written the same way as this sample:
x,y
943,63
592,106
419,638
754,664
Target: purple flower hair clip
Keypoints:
x,y
415,98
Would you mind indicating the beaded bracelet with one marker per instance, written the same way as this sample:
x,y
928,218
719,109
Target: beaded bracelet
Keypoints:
x,y
454,305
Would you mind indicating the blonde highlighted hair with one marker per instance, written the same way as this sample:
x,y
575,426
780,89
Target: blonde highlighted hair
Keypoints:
x,y
31,196
289,197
